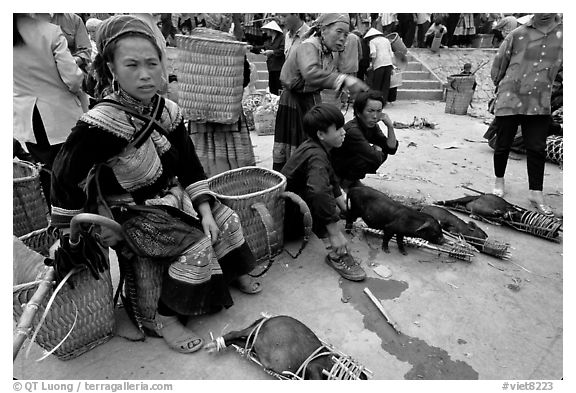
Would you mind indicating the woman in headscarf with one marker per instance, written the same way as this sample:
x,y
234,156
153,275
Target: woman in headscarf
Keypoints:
x,y
149,179
308,70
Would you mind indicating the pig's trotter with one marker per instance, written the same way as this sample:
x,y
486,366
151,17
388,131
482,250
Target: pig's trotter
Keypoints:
x,y
400,241
385,240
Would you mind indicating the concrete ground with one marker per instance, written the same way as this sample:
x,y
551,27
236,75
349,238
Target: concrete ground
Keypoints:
x,y
487,319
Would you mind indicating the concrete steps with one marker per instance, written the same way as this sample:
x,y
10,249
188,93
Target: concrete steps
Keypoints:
x,y
418,83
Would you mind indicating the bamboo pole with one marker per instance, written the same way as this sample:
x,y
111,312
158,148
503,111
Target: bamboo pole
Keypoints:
x,y
30,309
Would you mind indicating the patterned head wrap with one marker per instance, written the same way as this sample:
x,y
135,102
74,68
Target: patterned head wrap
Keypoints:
x,y
328,19
114,27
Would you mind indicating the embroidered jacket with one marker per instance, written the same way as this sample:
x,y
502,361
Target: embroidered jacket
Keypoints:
x,y
130,174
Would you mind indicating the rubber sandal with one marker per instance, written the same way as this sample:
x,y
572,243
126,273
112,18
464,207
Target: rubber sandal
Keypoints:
x,y
251,288
542,208
177,336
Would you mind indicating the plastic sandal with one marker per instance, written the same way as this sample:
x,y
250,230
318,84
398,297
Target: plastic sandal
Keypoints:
x,y
251,287
177,336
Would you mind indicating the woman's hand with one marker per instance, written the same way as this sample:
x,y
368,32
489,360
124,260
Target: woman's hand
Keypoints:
x,y
208,223
355,85
210,228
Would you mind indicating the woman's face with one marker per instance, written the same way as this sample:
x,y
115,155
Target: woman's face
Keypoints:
x,y
335,35
544,19
137,67
371,113
332,137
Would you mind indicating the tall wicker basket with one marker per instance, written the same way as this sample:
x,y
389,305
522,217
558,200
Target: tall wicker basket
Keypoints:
x,y
30,209
459,94
257,195
90,304
210,71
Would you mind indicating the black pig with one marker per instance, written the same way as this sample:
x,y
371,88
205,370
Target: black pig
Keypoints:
x,y
453,224
381,212
282,343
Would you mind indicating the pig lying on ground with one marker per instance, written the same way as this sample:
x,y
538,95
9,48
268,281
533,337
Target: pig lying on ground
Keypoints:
x,y
281,344
486,205
453,224
381,212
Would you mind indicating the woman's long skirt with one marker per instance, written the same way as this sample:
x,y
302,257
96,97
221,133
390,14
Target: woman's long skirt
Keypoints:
x,y
289,129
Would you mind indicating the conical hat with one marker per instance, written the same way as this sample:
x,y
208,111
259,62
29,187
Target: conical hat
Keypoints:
x,y
372,32
272,26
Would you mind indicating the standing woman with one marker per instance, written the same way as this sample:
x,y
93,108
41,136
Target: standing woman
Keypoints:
x,y
523,71
273,48
47,84
308,70
149,179
382,63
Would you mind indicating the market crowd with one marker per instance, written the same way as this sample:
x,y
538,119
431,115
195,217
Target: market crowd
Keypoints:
x,y
94,104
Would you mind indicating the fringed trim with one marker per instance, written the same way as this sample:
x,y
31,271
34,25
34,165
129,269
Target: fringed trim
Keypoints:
x,y
61,217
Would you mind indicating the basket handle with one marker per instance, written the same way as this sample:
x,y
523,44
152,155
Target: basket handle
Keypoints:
x,y
306,218
90,218
271,234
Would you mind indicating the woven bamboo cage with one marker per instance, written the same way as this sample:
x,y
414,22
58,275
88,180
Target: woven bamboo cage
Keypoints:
x,y
555,149
210,71
86,313
30,211
459,94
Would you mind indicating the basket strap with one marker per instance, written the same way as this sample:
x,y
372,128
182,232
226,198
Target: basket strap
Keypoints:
x,y
271,234
306,218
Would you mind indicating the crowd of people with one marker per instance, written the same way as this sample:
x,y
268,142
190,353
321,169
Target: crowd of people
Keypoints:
x,y
91,103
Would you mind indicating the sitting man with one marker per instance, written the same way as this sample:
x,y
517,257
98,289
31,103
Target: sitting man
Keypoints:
x,y
310,175
365,147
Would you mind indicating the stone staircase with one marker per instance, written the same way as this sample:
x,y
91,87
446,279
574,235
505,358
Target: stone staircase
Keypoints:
x,y
418,82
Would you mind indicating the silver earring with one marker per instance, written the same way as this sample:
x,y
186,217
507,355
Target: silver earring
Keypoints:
x,y
115,86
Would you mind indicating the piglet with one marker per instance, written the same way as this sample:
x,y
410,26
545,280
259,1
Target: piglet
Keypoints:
x,y
381,212
486,205
282,344
453,224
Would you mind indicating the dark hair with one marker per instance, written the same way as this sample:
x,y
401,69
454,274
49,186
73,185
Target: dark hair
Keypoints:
x,y
362,100
320,117
100,66
17,39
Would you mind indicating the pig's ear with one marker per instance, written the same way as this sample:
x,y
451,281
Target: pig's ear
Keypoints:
x,y
423,226
472,225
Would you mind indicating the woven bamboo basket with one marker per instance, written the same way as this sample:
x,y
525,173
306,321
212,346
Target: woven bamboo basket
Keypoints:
x,y
555,149
210,71
90,304
245,188
30,211
397,43
459,94
264,122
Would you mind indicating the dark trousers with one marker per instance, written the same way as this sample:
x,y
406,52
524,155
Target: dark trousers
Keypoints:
x,y
274,82
422,29
381,81
42,152
406,28
534,133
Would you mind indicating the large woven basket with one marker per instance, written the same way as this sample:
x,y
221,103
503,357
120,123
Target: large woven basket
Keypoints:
x,y
244,190
90,304
210,71
30,211
459,94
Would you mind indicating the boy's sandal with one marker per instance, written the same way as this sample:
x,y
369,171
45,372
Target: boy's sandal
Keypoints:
x,y
177,336
248,285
